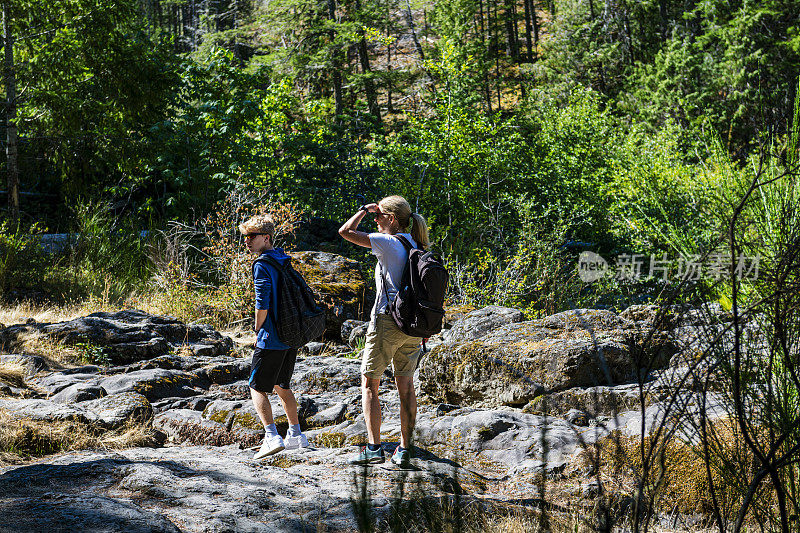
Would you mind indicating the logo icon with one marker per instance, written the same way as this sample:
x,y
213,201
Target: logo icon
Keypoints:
x,y
591,267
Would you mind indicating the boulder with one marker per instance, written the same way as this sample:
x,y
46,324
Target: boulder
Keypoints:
x,y
48,411
357,334
155,383
479,322
523,443
55,382
227,371
589,320
326,373
118,409
128,336
79,392
312,348
331,415
349,325
196,403
517,362
108,412
184,425
453,314
338,284
238,390
168,361
594,401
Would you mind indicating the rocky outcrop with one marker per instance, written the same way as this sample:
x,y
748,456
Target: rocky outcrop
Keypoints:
x,y
500,399
515,363
201,488
109,412
127,336
324,373
117,410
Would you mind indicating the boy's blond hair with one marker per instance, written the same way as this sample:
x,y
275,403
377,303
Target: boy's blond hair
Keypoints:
x,y
259,224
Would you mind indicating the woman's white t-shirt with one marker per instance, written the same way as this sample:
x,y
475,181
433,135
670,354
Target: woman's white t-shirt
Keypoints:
x,y
393,257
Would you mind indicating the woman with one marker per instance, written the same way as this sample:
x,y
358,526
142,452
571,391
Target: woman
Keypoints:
x,y
385,342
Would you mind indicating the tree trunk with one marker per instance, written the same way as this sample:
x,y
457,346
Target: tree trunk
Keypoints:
x,y
528,30
496,46
511,45
410,21
389,106
337,72
369,85
11,117
485,71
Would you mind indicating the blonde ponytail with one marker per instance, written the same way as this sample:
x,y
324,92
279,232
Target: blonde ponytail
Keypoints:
x,y
419,231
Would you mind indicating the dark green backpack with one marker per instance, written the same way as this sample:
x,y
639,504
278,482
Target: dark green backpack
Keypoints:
x,y
297,317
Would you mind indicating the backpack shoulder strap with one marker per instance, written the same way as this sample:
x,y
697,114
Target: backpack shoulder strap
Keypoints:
x,y
273,262
405,242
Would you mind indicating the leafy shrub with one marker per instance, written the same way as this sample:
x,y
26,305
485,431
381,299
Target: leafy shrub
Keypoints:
x,y
22,262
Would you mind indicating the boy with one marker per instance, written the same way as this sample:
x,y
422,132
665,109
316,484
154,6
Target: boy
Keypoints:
x,y
273,362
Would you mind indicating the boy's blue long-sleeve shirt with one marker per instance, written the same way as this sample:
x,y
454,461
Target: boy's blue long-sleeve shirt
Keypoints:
x,y
265,280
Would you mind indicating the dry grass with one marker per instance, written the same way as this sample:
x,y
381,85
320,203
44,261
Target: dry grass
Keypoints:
x,y
19,312
224,307
678,477
22,439
56,353
13,374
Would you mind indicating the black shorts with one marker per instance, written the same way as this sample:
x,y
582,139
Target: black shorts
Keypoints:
x,y
272,367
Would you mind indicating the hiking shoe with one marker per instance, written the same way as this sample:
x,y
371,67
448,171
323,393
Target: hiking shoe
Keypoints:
x,y
401,458
298,441
367,457
270,446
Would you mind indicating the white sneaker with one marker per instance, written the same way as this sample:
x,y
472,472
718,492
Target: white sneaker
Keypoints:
x,y
299,441
270,446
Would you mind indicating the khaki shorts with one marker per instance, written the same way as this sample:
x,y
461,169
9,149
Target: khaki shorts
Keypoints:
x,y
386,344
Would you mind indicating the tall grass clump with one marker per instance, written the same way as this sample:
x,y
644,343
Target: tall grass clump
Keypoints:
x,y
110,258
22,262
